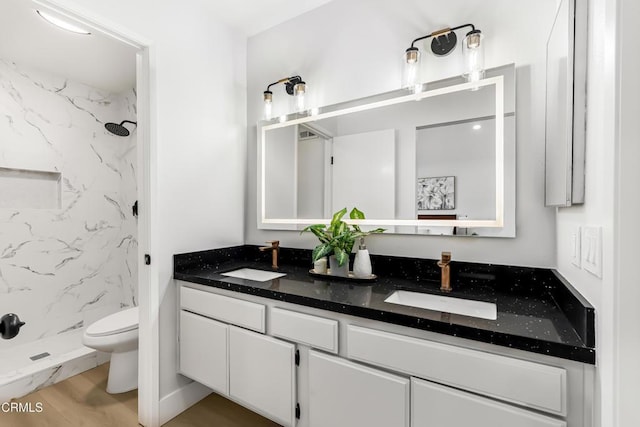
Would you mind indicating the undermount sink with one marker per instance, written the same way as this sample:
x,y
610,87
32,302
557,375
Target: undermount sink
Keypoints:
x,y
253,274
481,309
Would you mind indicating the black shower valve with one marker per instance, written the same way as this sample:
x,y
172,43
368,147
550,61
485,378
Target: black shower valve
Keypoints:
x,y
10,325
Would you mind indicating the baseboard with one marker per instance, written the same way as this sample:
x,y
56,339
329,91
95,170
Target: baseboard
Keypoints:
x,y
182,399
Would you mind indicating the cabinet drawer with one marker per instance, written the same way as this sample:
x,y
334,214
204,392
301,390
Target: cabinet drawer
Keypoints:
x,y
437,405
513,380
230,310
314,331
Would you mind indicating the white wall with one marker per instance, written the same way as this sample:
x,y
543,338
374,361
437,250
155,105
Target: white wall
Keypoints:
x,y
627,291
599,207
198,82
201,150
353,48
64,267
611,201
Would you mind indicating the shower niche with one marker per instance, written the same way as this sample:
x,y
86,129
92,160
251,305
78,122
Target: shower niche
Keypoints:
x,y
30,189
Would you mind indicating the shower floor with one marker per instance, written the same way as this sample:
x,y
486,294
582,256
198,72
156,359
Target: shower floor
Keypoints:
x,y
56,358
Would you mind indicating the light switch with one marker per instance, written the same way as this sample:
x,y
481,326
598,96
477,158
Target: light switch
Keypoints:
x,y
575,246
591,250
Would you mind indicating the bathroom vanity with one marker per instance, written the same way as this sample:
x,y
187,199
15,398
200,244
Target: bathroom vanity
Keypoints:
x,y
309,352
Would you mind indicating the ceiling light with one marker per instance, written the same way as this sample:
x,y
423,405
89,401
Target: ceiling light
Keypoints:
x,y
61,23
477,127
294,86
442,43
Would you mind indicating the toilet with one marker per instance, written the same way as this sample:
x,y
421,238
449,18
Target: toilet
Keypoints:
x,y
117,334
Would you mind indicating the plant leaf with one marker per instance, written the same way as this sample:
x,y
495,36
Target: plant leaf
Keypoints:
x,y
349,244
319,231
377,230
356,214
341,256
321,251
313,227
338,216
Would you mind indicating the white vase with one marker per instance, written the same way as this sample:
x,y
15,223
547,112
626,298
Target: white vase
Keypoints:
x,y
320,266
362,264
336,270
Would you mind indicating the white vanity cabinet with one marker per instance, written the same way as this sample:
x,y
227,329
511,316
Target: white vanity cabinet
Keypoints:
x,y
346,394
262,374
359,372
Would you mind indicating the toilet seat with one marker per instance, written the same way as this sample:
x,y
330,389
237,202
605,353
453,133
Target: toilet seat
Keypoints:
x,y
122,321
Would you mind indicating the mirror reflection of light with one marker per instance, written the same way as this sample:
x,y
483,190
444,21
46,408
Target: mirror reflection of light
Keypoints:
x,y
283,118
315,111
477,127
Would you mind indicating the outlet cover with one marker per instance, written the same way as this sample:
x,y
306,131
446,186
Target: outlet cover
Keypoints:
x,y
575,246
591,249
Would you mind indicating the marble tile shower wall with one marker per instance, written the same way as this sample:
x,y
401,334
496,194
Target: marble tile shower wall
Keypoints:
x,y
63,268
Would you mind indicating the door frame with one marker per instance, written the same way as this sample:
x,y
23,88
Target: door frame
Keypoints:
x,y
148,289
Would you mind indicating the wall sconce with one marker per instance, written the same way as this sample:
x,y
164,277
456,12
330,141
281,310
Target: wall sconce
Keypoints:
x,y
442,43
294,86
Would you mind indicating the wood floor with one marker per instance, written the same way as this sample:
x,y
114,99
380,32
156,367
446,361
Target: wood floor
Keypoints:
x,y
82,401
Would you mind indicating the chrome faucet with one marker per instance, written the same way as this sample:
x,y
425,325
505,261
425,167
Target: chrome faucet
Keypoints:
x,y
274,248
445,281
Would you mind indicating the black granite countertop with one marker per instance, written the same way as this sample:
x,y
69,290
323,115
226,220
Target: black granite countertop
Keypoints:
x,y
537,310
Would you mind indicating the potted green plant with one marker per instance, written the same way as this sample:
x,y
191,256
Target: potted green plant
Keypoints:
x,y
337,239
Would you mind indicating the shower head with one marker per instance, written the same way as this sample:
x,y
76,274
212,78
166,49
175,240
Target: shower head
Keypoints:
x,y
119,129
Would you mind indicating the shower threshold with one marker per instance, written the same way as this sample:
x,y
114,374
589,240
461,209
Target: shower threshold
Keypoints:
x,y
31,366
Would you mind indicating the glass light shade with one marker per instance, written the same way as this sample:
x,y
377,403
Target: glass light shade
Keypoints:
x,y
268,104
299,91
473,53
411,68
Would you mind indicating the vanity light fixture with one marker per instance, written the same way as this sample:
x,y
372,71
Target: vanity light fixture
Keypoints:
x,y
61,23
442,43
294,86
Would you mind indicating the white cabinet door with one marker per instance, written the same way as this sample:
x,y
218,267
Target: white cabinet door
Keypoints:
x,y
436,405
347,394
203,351
262,374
